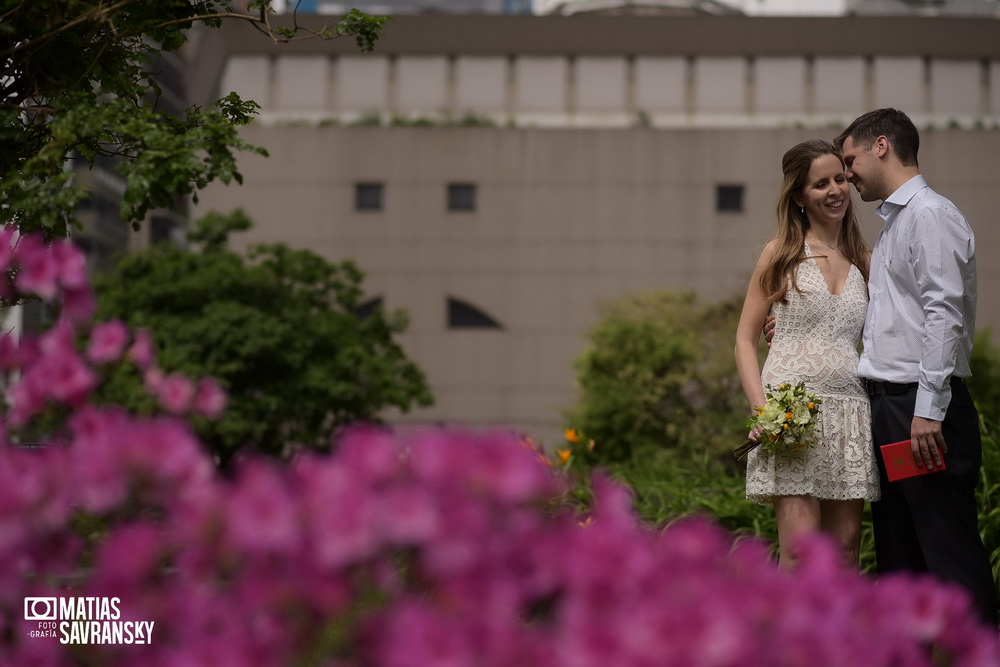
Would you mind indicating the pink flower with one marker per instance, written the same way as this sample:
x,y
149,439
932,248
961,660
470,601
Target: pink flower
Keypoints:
x,y
78,304
175,393
39,272
152,378
261,513
141,351
107,342
14,353
72,265
210,399
58,373
339,513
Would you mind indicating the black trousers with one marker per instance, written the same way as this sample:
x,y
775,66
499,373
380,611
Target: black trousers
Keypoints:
x,y
929,523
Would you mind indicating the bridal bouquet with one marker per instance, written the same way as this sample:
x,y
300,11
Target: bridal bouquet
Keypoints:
x,y
788,419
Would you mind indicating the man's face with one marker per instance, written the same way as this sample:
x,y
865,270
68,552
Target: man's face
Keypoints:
x,y
863,170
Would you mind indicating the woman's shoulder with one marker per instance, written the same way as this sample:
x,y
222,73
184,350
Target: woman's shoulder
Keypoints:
x,y
769,250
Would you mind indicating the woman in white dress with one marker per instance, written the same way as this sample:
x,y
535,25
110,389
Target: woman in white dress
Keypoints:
x,y
812,276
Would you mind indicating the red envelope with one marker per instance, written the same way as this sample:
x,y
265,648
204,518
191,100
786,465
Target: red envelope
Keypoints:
x,y
899,463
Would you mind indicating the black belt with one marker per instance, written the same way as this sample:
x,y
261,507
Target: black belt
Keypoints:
x,y
880,388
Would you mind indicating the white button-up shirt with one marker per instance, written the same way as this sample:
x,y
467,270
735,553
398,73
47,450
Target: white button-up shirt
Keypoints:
x,y
922,296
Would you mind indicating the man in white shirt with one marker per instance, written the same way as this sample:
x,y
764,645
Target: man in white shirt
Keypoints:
x,y
917,340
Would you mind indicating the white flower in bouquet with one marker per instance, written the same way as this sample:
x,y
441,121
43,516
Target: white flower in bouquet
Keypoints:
x,y
788,420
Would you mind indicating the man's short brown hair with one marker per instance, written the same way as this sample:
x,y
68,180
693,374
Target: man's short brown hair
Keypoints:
x,y
890,123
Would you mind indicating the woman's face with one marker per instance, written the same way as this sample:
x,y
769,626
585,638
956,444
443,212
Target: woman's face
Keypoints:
x,y
826,192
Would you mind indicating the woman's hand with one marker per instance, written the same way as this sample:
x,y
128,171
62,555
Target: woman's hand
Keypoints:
x,y
755,433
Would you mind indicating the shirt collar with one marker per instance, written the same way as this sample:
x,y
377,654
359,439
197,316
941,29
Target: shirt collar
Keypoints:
x,y
902,196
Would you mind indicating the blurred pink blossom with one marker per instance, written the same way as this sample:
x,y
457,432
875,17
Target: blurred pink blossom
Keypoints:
x,y
210,399
175,393
107,342
39,267
141,351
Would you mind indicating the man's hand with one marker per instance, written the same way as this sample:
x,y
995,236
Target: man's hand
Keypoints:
x,y
927,442
769,329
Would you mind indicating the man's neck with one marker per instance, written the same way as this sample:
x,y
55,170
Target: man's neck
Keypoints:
x,y
899,177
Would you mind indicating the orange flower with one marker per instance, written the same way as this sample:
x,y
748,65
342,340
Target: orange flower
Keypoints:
x,y
564,455
788,416
572,435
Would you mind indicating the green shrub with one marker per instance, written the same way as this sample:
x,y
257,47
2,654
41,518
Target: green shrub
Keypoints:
x,y
985,381
658,375
988,495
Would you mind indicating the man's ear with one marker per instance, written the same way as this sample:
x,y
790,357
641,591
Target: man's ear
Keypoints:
x,y
881,146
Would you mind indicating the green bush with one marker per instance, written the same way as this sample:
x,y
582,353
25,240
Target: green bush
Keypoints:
x,y
985,381
280,330
988,495
658,375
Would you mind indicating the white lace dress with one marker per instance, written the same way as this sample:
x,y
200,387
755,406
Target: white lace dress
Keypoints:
x,y
816,340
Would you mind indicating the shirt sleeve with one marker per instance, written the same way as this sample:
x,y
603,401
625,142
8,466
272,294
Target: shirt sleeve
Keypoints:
x,y
944,256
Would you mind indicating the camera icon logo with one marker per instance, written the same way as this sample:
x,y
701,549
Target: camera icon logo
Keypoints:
x,y
40,609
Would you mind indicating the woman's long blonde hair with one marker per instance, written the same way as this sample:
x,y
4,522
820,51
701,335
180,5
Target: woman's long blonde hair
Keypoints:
x,y
793,224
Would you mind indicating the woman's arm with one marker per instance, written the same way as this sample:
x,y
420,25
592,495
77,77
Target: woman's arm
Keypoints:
x,y
755,309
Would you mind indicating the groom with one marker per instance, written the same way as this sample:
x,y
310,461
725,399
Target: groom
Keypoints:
x,y
917,340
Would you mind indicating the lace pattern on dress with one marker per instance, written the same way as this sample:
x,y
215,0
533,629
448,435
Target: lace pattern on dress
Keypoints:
x,y
816,340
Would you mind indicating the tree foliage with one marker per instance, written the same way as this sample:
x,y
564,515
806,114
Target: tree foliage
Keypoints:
x,y
77,82
277,328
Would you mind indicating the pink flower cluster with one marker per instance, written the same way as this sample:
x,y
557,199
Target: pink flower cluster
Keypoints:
x,y
52,370
440,549
437,549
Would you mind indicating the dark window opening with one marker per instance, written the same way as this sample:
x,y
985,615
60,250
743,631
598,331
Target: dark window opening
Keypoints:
x,y
461,197
729,198
368,196
462,315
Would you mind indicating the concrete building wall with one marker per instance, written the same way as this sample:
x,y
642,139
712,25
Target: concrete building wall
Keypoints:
x,y
565,220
